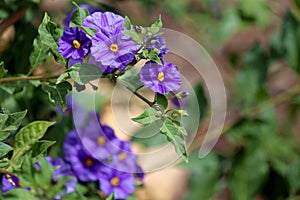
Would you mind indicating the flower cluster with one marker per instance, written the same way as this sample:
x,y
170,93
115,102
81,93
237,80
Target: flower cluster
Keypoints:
x,y
112,48
96,154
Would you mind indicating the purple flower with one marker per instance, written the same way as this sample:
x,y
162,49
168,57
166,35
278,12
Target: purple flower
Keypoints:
x,y
157,43
74,44
121,183
91,10
9,182
103,21
85,167
111,49
62,169
116,50
160,78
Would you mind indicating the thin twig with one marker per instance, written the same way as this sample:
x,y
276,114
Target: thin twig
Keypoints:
x,y
27,78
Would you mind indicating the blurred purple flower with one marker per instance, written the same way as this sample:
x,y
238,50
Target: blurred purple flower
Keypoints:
x,y
85,167
9,182
62,169
160,78
98,139
121,183
124,159
74,44
91,10
157,43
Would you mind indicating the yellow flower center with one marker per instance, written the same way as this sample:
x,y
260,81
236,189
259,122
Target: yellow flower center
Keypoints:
x,y
160,76
88,162
122,156
76,44
115,181
101,140
114,48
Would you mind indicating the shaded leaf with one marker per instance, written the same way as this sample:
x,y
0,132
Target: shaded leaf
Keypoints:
x,y
175,136
78,16
89,72
4,149
3,71
11,122
161,100
39,55
57,93
131,79
40,147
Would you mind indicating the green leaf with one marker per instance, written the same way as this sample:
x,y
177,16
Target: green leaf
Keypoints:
x,y
20,193
26,175
72,72
149,116
49,33
4,162
78,16
4,149
133,35
39,55
131,79
4,135
161,100
3,71
156,26
11,122
89,72
111,197
258,10
57,93
175,136
127,23
248,175
27,137
205,181
293,172
44,176
152,55
40,147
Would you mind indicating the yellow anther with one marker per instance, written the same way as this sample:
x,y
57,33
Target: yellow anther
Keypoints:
x,y
161,76
76,44
114,48
101,140
115,181
122,156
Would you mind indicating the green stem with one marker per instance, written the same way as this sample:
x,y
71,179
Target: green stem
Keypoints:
x,y
140,96
27,78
